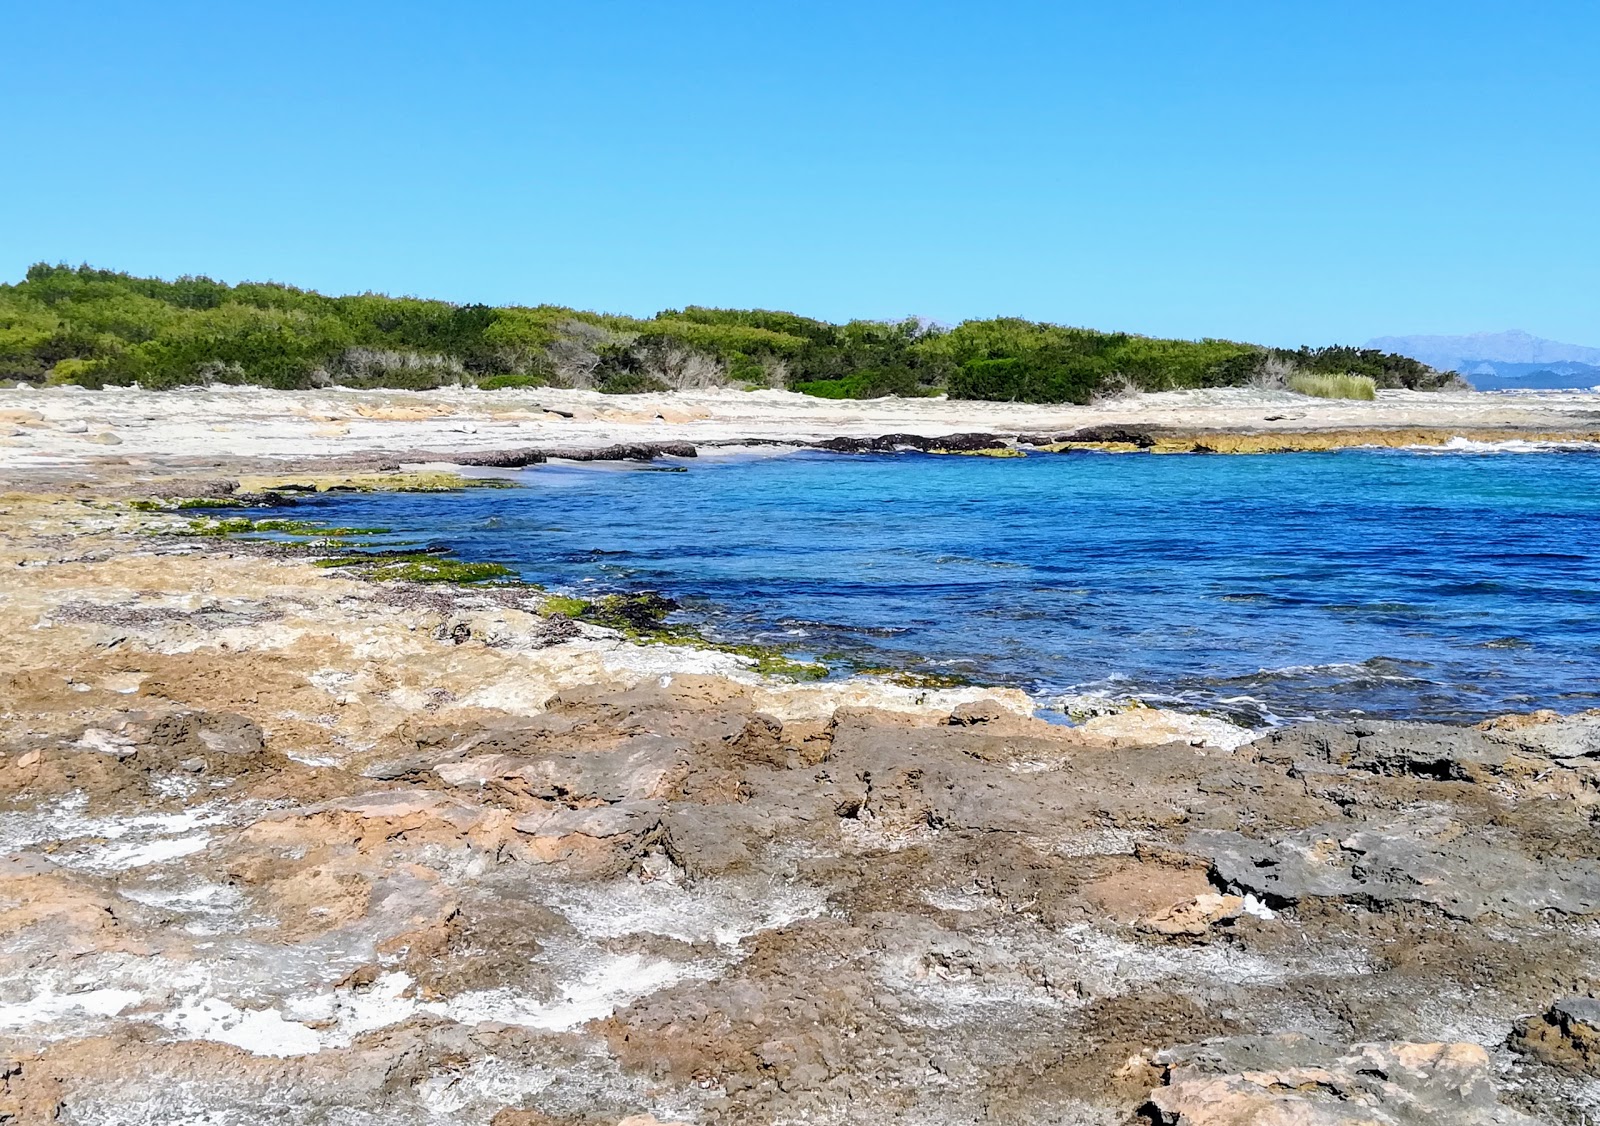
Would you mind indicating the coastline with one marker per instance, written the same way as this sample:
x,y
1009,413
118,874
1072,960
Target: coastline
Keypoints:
x,y
379,827
229,430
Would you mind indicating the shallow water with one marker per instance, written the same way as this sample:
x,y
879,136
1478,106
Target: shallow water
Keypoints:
x,y
1447,585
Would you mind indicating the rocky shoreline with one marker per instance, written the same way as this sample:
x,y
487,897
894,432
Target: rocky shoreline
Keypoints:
x,y
46,431
276,839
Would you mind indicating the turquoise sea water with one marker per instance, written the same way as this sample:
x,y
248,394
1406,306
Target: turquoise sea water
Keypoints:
x,y
1429,585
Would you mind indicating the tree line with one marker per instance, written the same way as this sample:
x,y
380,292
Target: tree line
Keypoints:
x,y
97,328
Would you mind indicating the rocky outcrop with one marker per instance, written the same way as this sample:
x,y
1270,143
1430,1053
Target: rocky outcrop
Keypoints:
x,y
623,451
1115,435
1466,876
1293,1080
889,443
1565,1036
1415,750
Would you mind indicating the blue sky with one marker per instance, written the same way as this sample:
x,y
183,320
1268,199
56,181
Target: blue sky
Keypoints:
x,y
1286,173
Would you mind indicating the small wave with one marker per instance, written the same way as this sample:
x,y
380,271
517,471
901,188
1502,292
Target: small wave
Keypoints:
x,y
1377,669
1460,445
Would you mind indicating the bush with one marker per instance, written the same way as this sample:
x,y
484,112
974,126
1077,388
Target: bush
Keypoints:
x,y
365,368
1386,369
509,382
83,373
867,385
1032,379
630,383
1333,386
99,327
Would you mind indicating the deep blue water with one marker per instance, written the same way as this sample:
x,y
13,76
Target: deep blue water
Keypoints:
x,y
1427,585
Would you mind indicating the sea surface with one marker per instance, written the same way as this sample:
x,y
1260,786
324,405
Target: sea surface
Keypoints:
x,y
1448,585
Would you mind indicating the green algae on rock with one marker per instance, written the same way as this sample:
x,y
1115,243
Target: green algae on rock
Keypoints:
x,y
908,678
245,525
383,481
418,567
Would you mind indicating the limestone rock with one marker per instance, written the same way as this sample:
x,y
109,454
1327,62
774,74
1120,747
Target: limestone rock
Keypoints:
x,y
1385,748
1295,1081
1194,917
1566,1036
1424,863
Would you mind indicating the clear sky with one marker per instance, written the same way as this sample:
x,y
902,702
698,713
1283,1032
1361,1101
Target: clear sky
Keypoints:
x,y
1281,172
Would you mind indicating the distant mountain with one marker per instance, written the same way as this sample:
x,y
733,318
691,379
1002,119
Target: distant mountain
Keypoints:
x,y
1498,361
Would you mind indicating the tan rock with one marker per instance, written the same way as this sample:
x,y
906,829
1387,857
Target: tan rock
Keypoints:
x,y
1134,890
416,413
1194,917
518,1116
1380,1084
1565,1036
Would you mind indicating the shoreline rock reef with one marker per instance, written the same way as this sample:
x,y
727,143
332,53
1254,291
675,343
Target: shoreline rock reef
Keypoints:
x,y
227,431
273,836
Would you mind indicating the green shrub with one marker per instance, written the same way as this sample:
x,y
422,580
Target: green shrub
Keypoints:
x,y
630,383
867,385
1030,379
510,382
1333,386
1386,369
83,373
96,328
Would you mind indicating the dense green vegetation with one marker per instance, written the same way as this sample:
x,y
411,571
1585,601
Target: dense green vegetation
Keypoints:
x,y
1333,386
97,328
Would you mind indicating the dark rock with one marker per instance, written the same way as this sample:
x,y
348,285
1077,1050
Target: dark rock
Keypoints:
x,y
967,442
889,443
626,451
193,488
1111,433
269,499
502,459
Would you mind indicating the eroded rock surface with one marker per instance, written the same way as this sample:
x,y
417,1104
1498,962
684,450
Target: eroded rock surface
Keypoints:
x,y
1293,1080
